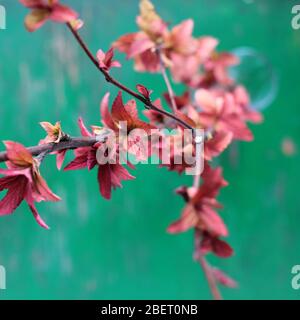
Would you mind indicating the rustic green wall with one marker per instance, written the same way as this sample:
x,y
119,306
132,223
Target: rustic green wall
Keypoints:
x,y
119,249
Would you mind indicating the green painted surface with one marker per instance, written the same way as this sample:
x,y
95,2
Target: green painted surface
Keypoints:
x,y
119,249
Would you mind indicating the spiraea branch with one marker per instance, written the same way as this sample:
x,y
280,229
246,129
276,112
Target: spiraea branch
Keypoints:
x,y
212,101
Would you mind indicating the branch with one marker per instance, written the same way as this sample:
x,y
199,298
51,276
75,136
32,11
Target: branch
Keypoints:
x,y
167,81
116,83
210,278
212,283
68,144
206,268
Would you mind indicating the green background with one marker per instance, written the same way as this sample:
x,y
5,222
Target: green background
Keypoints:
x,y
120,249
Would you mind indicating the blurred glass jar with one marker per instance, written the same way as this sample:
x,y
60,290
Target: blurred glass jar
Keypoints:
x,y
257,74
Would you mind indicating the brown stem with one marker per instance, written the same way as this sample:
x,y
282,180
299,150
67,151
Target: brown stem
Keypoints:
x,y
167,81
116,83
69,144
210,278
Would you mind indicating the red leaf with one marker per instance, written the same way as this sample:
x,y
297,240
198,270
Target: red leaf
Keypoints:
x,y
16,186
223,278
104,180
63,14
124,43
36,215
79,162
105,114
215,146
185,118
18,154
144,91
84,131
221,248
181,101
118,110
188,220
106,61
212,222
119,173
60,157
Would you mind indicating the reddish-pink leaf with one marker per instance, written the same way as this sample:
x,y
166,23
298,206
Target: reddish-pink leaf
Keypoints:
x,y
18,155
63,14
119,173
212,222
16,186
124,43
144,91
188,220
37,217
60,157
105,114
44,191
223,278
36,19
106,59
217,144
139,46
79,162
222,248
104,180
84,131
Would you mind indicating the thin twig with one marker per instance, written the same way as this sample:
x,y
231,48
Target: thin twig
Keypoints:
x,y
211,280
167,80
116,83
